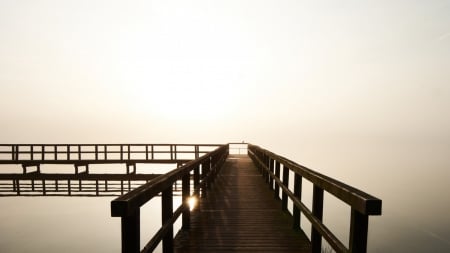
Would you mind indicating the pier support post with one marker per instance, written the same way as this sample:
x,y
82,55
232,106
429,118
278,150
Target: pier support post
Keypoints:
x,y
317,210
284,196
298,194
277,175
131,233
359,224
186,193
167,213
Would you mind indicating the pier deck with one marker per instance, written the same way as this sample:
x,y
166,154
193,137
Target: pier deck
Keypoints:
x,y
240,214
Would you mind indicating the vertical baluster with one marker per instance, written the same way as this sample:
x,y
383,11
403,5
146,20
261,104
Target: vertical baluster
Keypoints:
x,y
131,232
121,152
31,152
18,186
284,196
13,152
196,180
105,148
96,152
129,151
43,152
146,152
44,188
175,152
270,174
277,175
359,224
79,152
298,194
167,213
69,190
186,192
68,152
317,210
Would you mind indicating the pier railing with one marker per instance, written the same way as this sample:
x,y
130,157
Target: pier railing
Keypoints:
x,y
362,204
100,153
81,181
202,171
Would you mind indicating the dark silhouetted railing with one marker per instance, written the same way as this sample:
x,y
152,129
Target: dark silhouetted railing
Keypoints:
x,y
100,153
81,181
202,170
362,204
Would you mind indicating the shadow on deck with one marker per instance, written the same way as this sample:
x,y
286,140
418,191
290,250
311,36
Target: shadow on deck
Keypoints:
x,y
240,214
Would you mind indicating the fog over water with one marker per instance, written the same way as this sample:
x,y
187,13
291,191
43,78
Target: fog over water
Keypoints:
x,y
358,91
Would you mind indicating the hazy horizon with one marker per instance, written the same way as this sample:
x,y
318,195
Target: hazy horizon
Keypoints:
x,y
356,90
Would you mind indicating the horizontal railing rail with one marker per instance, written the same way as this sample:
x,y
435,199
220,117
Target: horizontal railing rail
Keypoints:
x,y
362,204
101,153
202,170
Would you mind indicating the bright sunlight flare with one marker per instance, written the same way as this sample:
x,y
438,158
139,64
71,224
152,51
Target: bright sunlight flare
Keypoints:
x,y
192,202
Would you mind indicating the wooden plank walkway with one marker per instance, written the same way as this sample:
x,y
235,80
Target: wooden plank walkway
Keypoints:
x,y
240,214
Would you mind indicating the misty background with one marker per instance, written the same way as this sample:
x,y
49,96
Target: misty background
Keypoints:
x,y
357,90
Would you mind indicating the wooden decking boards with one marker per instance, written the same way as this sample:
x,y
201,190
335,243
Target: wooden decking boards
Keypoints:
x,y
240,214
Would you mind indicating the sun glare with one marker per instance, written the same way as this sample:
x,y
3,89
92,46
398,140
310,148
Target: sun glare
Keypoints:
x,y
192,203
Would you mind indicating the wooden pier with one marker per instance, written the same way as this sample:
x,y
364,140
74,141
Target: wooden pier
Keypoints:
x,y
240,208
243,199
240,214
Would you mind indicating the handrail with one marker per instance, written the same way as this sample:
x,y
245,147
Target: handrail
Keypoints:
x,y
362,204
128,206
101,153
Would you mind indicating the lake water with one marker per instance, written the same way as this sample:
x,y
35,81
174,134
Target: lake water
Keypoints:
x,y
413,183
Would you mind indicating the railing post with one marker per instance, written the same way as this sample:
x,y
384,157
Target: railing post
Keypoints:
x,y
205,172
277,175
167,213
358,232
13,152
317,210
270,173
284,196
196,180
131,233
186,192
298,194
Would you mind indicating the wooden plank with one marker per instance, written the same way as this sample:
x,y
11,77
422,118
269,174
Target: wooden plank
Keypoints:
x,y
239,214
